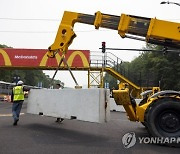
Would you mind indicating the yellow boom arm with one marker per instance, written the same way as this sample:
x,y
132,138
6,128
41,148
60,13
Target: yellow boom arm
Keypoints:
x,y
150,30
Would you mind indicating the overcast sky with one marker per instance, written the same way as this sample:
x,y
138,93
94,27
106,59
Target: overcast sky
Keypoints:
x,y
18,32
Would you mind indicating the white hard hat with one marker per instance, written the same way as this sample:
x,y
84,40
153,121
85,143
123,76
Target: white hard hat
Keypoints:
x,y
20,82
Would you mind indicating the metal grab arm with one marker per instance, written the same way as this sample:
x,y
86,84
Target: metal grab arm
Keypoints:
x,y
65,34
147,29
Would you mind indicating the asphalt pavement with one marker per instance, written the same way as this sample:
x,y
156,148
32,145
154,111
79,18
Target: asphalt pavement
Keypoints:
x,y
36,134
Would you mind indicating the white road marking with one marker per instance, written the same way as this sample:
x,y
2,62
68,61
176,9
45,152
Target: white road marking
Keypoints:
x,y
9,115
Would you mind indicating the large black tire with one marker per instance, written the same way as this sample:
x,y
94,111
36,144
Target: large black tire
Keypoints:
x,y
162,117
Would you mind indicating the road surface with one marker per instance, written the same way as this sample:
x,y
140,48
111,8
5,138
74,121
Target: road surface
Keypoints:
x,y
41,135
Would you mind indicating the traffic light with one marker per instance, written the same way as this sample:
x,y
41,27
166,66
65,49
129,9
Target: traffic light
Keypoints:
x,y
103,47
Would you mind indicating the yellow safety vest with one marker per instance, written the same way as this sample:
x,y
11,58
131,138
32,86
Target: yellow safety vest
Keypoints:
x,y
18,93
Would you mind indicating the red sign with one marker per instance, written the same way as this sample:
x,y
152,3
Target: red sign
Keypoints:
x,y
37,58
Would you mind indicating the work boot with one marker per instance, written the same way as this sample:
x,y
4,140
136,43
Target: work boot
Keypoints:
x,y
15,122
59,120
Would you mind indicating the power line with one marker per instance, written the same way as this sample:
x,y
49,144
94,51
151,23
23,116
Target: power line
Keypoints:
x,y
28,19
152,50
27,32
12,31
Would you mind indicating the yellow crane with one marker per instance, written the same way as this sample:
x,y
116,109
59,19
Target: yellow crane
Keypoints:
x,y
160,111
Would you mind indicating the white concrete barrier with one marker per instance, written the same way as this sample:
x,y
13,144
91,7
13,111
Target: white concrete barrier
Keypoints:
x,y
91,105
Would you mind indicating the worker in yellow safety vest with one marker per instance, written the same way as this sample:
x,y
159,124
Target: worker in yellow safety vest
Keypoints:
x,y
17,98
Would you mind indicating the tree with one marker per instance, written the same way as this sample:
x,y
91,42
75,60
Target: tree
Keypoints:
x,y
154,69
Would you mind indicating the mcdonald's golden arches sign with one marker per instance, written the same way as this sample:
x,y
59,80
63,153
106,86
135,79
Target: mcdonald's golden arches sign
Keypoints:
x,y
37,58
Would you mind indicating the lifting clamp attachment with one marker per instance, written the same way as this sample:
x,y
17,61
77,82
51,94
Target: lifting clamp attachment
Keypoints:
x,y
63,59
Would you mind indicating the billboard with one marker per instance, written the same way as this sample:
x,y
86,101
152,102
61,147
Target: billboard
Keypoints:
x,y
37,58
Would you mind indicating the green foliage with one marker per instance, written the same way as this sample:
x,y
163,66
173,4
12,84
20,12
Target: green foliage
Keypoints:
x,y
112,81
154,69
4,46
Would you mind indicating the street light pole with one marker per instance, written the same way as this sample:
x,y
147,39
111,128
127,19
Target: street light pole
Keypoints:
x,y
163,2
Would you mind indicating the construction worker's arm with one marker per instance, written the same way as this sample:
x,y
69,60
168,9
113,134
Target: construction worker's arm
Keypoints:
x,y
12,96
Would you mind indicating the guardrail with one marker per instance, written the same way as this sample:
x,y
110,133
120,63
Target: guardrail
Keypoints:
x,y
107,59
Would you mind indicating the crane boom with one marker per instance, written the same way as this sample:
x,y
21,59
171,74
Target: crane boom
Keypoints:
x,y
150,30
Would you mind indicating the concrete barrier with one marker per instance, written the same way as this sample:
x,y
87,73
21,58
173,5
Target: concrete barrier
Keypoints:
x,y
91,105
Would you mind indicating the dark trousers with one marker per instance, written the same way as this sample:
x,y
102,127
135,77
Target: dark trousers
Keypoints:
x,y
16,109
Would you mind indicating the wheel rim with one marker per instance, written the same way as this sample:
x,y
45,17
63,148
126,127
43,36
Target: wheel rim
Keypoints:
x,y
169,121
